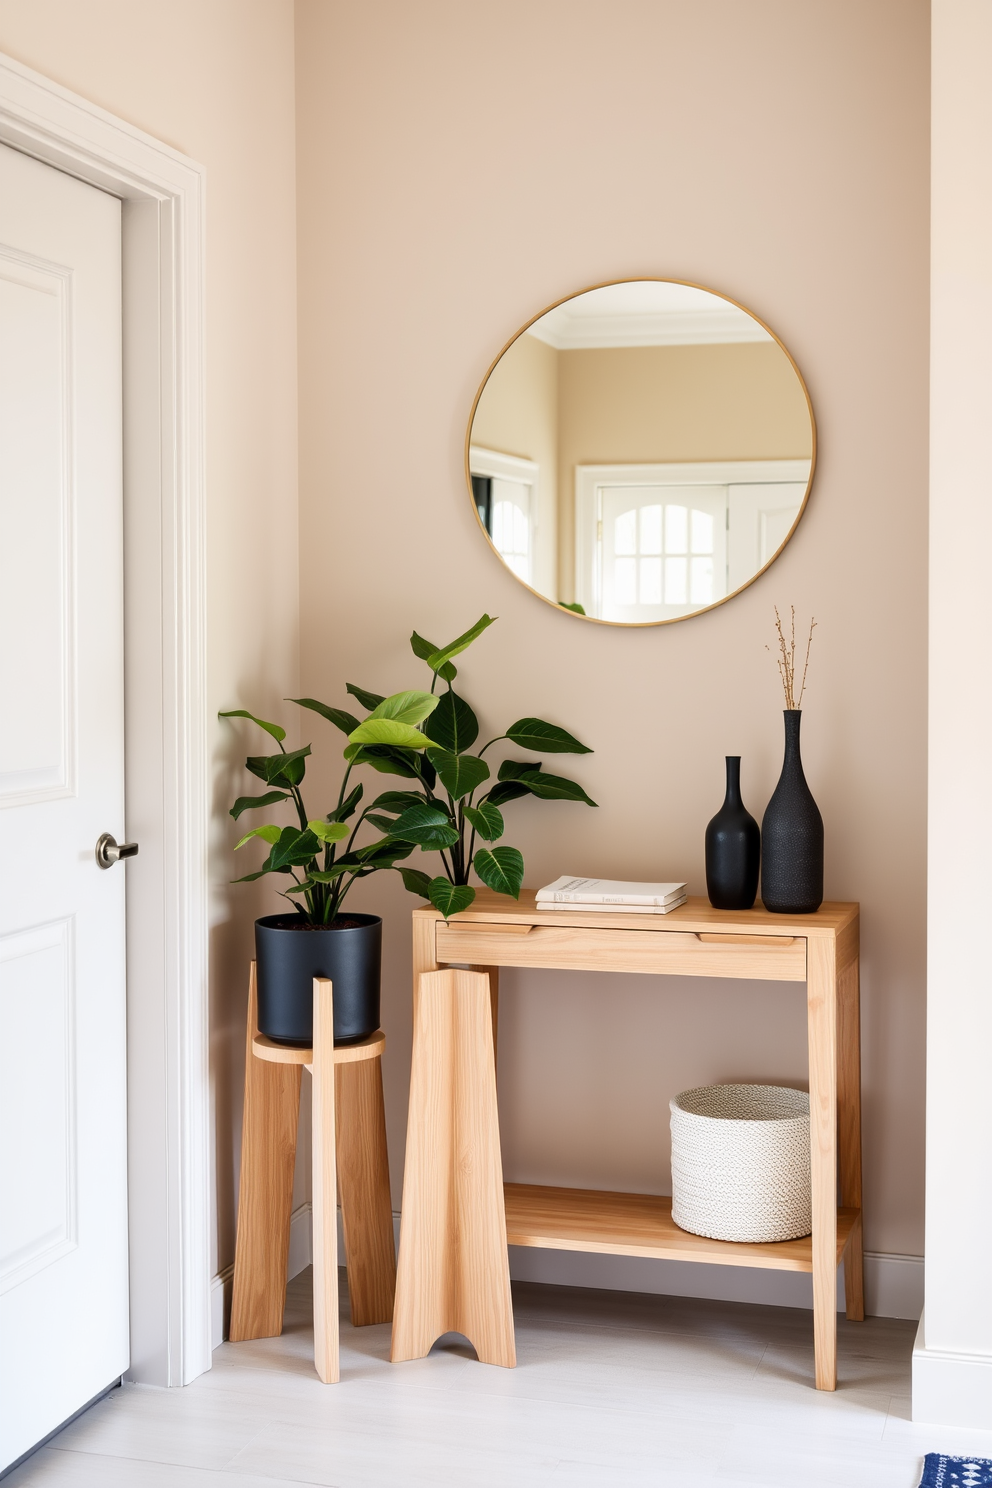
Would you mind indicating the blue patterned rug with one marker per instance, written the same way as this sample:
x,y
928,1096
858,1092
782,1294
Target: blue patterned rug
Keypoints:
x,y
956,1472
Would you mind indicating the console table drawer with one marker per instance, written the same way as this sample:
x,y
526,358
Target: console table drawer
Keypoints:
x,y
671,952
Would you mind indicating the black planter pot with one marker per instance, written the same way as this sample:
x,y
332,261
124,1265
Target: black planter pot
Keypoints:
x,y
290,953
733,848
792,836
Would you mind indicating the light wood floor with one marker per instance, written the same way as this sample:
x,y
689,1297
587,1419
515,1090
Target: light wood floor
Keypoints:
x,y
611,1388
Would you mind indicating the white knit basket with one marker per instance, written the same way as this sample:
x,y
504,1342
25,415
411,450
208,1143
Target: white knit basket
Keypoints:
x,y
740,1162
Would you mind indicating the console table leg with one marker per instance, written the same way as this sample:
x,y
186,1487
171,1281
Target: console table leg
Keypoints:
x,y
363,1180
849,1130
821,996
454,1273
265,1198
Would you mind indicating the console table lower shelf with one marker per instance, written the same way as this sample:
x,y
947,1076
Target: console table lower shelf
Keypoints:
x,y
642,1225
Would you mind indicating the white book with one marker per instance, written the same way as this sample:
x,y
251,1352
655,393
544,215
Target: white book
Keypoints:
x,y
567,890
624,909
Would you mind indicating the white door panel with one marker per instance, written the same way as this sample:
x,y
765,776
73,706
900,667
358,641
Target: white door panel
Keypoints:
x,y
662,550
761,518
63,1214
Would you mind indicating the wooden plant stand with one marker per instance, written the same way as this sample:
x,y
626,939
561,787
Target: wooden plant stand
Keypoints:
x,y
458,1216
349,1154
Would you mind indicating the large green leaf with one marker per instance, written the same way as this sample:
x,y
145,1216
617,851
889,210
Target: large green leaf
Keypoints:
x,y
293,850
279,769
388,731
424,649
518,769
347,808
487,820
340,719
328,875
510,790
385,759
555,788
274,729
396,801
453,725
427,825
267,834
449,898
368,700
437,658
383,854
406,707
251,803
534,733
500,868
328,831
460,774
416,882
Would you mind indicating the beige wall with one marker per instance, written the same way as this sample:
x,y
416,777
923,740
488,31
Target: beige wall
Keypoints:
x,y
770,194
214,78
518,415
630,404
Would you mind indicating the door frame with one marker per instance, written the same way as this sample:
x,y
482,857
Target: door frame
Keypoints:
x,y
166,771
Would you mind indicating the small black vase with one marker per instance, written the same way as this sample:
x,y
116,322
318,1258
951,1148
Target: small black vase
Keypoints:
x,y
733,848
792,836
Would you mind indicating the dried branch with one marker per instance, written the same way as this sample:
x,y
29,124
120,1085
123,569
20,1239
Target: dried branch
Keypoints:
x,y
786,659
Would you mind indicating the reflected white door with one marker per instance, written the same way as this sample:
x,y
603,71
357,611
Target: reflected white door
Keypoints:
x,y
63,1200
761,517
663,550
512,537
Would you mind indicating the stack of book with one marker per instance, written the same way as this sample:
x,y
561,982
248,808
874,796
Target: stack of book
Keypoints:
x,y
611,896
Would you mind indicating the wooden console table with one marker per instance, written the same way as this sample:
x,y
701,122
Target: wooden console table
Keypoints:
x,y
458,1216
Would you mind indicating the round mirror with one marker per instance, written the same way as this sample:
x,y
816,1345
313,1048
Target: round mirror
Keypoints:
x,y
641,451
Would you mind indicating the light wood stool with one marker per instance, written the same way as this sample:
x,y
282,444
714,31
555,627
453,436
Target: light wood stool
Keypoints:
x,y
349,1154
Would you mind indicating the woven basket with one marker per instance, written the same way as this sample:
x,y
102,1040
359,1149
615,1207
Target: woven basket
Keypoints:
x,y
740,1162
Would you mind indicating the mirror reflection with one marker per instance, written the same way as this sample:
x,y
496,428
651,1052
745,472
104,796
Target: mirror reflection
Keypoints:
x,y
641,451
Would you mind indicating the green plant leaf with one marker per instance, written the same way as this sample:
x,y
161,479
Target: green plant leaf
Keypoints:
x,y
555,788
279,769
416,882
251,803
437,658
251,877
380,822
383,854
510,790
347,808
424,649
577,608
449,898
388,731
534,733
328,831
384,758
460,774
406,707
293,849
487,820
328,875
368,700
426,825
396,801
267,834
518,769
453,725
270,728
500,868
346,722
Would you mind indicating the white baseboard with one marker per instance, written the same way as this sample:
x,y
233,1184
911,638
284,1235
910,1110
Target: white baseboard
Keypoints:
x,y
893,1283
951,1389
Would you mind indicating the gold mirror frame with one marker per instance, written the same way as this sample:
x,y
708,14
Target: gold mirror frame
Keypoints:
x,y
704,610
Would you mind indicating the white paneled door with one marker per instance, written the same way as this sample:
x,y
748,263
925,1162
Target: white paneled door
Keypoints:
x,y
63,1199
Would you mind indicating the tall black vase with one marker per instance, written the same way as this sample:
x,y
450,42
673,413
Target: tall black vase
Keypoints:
x,y
733,848
792,836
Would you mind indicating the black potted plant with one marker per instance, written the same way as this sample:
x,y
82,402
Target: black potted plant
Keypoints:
x,y
324,859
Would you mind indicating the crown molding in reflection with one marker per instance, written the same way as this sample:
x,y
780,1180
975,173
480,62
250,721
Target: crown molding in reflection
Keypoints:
x,y
566,330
